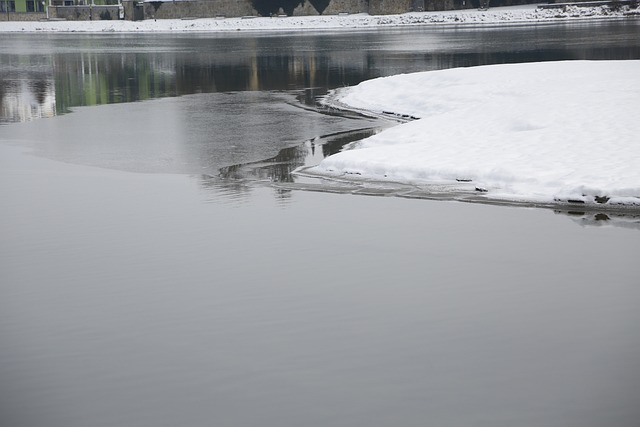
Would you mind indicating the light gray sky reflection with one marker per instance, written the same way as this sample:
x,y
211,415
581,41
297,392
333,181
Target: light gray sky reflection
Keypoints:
x,y
138,299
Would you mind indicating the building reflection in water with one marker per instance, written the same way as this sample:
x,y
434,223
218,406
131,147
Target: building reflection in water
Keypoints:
x,y
95,74
88,79
23,100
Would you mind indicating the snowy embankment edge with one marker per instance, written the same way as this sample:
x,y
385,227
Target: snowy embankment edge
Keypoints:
x,y
501,15
607,183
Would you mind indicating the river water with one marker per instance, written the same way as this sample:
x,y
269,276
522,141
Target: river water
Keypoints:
x,y
159,268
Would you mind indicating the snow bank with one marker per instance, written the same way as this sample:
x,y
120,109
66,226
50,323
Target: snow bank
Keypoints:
x,y
552,132
528,13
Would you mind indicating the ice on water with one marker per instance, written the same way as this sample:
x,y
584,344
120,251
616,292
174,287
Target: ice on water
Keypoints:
x,y
551,132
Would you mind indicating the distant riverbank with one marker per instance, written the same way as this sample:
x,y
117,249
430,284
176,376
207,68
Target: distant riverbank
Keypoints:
x,y
515,14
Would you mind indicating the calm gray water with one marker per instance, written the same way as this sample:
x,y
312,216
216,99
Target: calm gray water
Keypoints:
x,y
140,288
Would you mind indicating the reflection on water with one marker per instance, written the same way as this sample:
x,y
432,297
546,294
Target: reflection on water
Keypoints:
x,y
194,134
26,96
235,182
25,100
280,167
92,79
101,69
595,218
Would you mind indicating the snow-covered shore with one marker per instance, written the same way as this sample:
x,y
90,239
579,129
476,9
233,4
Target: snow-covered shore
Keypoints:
x,y
547,133
501,15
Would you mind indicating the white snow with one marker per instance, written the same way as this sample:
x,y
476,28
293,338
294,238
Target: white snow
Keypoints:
x,y
550,132
501,15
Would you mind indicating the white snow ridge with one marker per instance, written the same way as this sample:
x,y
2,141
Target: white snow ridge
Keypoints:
x,y
543,133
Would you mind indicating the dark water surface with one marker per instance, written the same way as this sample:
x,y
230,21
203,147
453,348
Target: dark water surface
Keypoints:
x,y
157,270
45,74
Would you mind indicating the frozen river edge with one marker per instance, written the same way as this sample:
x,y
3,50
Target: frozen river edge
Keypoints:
x,y
489,135
308,179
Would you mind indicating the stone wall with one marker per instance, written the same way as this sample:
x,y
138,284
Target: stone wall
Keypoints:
x,y
132,10
496,3
198,9
346,6
433,5
236,8
23,16
388,7
85,13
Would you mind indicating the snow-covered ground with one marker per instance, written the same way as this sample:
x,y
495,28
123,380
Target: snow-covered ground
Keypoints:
x,y
528,13
549,133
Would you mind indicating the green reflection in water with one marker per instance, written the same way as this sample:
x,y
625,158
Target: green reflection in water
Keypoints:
x,y
90,79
